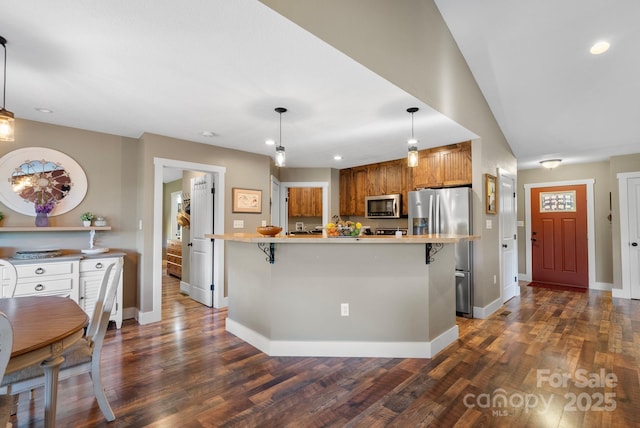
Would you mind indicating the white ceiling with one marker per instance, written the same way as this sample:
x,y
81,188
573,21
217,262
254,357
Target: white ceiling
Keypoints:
x,y
181,68
550,96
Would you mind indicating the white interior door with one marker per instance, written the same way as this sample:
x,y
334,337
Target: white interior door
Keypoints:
x,y
507,212
633,240
200,274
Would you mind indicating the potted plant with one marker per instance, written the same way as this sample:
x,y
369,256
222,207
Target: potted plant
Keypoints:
x,y
86,219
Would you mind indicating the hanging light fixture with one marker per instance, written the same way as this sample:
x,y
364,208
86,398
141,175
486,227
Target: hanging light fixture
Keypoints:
x,y
6,117
280,155
412,156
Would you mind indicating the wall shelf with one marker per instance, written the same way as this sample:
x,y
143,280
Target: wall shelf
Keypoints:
x,y
52,229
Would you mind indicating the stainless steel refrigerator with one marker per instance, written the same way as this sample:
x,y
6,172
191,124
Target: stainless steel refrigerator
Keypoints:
x,y
448,211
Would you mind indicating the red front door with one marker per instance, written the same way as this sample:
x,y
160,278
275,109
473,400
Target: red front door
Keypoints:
x,y
559,235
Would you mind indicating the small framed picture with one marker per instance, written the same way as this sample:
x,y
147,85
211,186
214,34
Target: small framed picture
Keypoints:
x,y
247,200
491,194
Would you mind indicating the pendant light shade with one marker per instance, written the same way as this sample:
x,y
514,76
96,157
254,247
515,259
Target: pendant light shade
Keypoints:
x,y
7,121
412,155
280,154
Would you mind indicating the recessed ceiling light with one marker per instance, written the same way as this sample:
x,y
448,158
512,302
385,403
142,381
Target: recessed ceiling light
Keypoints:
x,y
208,134
599,48
337,157
269,142
43,110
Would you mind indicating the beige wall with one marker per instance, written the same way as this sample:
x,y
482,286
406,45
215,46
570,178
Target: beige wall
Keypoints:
x,y
246,170
109,163
599,172
408,43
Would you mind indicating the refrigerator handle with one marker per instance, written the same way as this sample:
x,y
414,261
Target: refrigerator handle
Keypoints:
x,y
438,214
430,213
459,274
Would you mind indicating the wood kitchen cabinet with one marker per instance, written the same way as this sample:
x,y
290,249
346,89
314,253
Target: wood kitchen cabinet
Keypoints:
x,y
438,167
443,167
305,202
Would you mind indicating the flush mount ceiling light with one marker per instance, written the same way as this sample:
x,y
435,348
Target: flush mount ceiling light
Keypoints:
x,y
599,48
280,155
550,163
412,155
7,121
337,157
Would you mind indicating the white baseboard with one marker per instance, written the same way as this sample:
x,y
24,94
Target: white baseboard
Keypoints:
x,y
185,287
524,277
147,317
129,313
621,293
602,286
486,311
287,348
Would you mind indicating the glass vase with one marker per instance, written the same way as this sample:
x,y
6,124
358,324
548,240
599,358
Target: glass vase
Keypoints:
x,y
42,219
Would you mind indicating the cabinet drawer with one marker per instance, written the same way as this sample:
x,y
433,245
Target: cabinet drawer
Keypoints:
x,y
96,265
44,269
43,287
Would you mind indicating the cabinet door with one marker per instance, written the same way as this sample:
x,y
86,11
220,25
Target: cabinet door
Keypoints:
x,y
358,189
316,202
295,202
456,166
375,180
345,195
428,172
394,181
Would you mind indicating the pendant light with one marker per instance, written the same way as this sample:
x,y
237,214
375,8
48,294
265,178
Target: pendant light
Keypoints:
x,y
6,117
280,155
412,156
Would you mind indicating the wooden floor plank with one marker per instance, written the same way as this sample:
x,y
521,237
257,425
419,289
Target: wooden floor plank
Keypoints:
x,y
188,371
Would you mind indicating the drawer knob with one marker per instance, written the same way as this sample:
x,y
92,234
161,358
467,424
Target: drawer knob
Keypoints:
x,y
39,271
39,287
98,265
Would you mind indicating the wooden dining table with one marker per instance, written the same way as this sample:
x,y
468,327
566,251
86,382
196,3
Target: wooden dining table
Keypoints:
x,y
43,327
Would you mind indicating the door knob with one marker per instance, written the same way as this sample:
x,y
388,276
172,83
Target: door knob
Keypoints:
x,y
634,244
504,245
190,244
534,239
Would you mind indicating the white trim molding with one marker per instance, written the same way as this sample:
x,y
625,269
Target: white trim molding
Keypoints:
x,y
328,348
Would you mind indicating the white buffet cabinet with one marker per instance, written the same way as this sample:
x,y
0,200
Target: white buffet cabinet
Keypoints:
x,y
75,276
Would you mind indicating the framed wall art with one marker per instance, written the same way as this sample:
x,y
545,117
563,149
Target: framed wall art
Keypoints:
x,y
247,200
491,194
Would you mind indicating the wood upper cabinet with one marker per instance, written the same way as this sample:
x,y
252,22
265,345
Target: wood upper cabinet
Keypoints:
x,y
428,172
305,202
456,166
345,192
443,167
359,177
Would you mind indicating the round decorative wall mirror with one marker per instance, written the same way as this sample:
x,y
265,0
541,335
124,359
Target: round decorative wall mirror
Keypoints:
x,y
37,175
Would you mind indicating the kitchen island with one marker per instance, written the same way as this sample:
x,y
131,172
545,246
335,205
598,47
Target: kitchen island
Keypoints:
x,y
362,297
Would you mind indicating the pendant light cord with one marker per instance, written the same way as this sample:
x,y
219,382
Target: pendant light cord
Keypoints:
x,y
4,76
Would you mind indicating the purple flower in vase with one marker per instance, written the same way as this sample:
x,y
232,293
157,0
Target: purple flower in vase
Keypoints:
x,y
46,207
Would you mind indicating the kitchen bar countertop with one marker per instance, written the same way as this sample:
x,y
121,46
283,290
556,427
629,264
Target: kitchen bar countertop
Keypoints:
x,y
368,239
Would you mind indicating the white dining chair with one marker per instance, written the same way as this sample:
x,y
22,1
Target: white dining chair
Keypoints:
x,y
8,278
6,343
83,356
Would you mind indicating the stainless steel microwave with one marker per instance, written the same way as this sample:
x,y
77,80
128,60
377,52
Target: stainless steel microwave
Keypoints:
x,y
384,206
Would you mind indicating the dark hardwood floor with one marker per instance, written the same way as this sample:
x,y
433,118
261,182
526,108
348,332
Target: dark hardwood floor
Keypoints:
x,y
186,371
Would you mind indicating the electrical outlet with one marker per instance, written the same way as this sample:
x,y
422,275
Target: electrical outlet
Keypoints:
x,y
264,222
238,224
344,309
489,224
495,280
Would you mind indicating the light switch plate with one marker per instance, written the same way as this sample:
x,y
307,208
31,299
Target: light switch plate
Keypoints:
x,y
489,224
520,223
264,222
238,224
